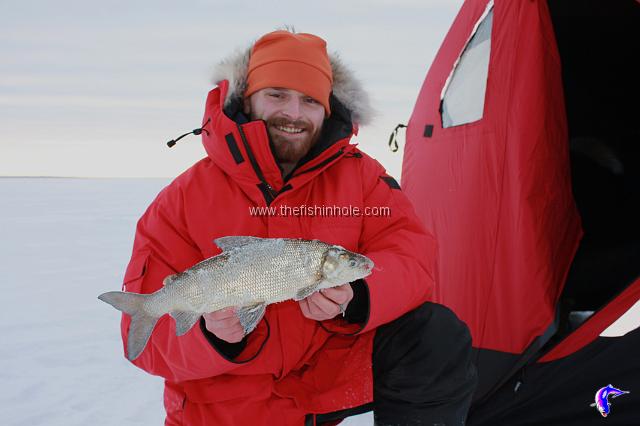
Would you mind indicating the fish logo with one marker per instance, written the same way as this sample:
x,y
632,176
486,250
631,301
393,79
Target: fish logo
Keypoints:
x,y
602,399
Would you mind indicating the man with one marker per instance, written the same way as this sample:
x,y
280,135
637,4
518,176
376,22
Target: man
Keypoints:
x,y
277,131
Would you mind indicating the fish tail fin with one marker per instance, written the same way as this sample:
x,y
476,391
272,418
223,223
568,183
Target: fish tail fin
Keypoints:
x,y
129,303
142,322
139,332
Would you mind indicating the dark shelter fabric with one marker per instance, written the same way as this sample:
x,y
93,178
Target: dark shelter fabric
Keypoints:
x,y
559,393
422,371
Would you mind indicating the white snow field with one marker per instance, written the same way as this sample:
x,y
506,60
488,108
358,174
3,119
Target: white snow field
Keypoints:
x,y
62,243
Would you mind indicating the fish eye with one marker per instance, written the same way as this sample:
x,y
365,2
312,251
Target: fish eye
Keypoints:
x,y
352,263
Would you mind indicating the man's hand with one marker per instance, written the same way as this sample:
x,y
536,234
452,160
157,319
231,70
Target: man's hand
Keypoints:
x,y
225,324
327,303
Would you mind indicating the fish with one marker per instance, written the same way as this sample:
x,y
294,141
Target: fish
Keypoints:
x,y
602,399
249,274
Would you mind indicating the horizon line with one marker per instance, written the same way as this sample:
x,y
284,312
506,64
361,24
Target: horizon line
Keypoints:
x,y
81,177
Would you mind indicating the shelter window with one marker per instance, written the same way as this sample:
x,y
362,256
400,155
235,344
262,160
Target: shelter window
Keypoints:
x,y
462,98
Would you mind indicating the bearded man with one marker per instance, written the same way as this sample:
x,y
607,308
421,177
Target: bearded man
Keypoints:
x,y
277,131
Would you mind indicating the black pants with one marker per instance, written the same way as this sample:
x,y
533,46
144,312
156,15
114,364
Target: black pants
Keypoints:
x,y
422,371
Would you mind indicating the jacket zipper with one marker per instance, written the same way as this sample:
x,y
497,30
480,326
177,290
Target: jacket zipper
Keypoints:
x,y
322,164
267,190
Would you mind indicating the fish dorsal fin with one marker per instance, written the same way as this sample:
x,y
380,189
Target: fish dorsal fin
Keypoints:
x,y
169,280
232,242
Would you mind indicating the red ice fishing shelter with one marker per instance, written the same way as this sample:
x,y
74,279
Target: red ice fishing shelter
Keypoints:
x,y
522,159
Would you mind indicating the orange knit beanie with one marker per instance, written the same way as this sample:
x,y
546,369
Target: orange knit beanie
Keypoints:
x,y
292,61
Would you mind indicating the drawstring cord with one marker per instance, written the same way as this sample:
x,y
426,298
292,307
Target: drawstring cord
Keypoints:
x,y
196,132
393,138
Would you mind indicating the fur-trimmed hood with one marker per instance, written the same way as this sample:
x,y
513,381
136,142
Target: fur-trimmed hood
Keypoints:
x,y
347,89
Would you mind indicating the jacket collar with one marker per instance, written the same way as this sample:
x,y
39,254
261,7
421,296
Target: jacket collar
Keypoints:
x,y
242,149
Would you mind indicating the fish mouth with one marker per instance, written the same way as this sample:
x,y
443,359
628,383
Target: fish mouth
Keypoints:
x,y
368,266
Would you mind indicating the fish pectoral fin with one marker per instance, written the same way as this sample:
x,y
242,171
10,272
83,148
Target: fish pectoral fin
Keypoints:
x,y
232,242
592,405
305,292
251,315
184,321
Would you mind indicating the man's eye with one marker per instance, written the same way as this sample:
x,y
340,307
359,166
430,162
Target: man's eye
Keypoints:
x,y
311,101
275,95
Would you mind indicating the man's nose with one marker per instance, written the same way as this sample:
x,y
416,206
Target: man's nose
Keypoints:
x,y
292,109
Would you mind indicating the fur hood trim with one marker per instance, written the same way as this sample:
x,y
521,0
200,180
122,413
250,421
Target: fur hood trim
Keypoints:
x,y
346,87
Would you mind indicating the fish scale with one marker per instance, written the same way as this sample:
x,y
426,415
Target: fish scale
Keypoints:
x,y
249,274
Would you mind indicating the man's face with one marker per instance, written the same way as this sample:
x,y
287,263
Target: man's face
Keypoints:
x,y
293,120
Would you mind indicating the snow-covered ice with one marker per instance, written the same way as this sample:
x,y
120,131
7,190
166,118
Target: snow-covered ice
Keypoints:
x,y
63,242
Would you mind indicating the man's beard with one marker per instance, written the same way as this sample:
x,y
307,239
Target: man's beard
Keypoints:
x,y
291,149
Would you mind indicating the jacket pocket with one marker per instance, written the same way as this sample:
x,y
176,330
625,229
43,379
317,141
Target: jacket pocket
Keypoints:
x,y
136,271
229,387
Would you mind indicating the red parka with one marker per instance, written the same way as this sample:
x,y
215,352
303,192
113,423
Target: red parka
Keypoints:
x,y
291,365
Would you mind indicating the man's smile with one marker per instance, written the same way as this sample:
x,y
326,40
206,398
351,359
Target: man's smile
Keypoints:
x,y
289,129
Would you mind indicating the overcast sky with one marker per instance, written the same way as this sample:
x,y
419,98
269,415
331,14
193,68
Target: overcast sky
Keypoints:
x,y
92,88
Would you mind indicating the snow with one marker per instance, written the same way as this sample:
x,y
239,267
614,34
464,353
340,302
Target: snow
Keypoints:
x,y
63,242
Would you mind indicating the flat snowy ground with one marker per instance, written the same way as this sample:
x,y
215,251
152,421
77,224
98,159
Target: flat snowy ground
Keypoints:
x,y
62,243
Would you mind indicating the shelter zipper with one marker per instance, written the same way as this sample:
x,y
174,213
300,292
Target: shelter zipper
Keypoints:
x,y
520,380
